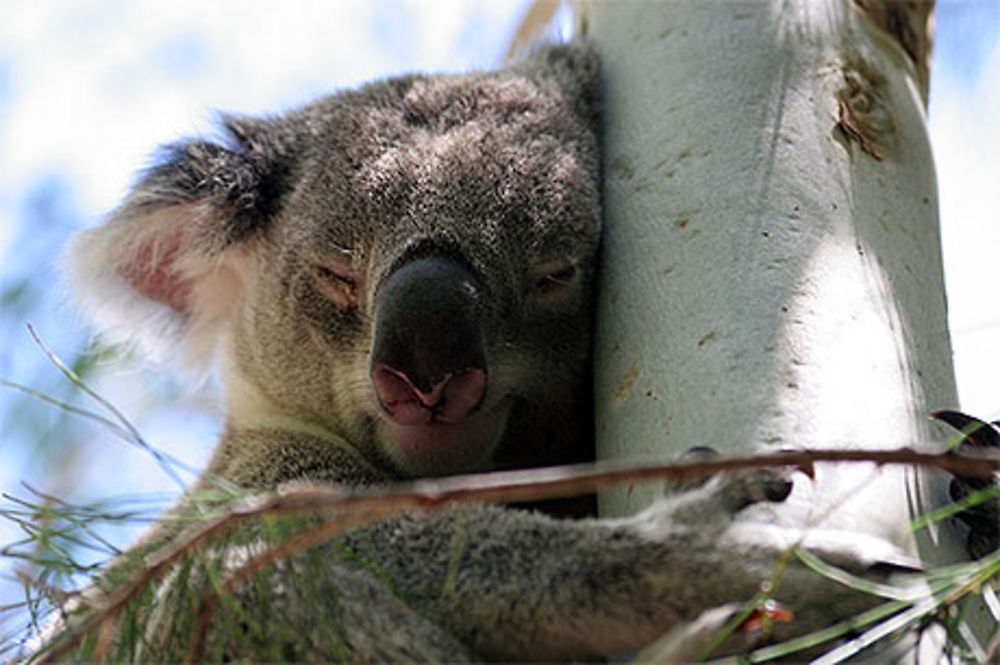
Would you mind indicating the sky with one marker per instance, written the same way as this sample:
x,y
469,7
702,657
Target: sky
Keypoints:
x,y
964,114
87,90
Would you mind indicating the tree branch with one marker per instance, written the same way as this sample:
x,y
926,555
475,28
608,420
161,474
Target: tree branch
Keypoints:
x,y
356,507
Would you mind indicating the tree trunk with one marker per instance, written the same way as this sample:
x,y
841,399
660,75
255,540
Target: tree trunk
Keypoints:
x,y
772,272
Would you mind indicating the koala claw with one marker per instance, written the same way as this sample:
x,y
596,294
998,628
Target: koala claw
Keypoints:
x,y
719,498
735,491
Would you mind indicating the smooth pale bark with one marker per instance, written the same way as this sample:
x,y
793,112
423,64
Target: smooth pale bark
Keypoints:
x,y
772,273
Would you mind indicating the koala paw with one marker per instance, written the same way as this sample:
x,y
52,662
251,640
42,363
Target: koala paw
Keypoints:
x,y
725,495
737,490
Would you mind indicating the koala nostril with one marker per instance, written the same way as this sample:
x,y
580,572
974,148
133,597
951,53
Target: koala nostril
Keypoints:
x,y
450,398
463,392
398,397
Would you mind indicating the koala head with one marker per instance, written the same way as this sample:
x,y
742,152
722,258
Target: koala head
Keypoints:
x,y
407,265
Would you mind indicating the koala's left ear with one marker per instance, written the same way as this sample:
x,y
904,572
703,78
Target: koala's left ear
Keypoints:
x,y
168,266
576,69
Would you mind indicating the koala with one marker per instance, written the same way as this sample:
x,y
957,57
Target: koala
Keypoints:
x,y
397,283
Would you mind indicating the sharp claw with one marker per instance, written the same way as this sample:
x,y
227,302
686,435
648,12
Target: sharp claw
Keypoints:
x,y
778,489
699,453
693,454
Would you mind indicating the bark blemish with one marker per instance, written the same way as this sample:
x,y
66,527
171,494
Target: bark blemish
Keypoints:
x,y
863,115
626,382
683,220
623,167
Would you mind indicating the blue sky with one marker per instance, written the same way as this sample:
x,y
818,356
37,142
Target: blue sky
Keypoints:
x,y
87,90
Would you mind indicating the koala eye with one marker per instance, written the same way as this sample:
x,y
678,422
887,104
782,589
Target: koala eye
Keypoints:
x,y
338,283
552,278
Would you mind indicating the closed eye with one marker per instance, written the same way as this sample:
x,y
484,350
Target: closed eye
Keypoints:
x,y
338,283
552,279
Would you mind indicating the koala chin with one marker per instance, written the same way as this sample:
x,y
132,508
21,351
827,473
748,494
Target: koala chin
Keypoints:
x,y
441,448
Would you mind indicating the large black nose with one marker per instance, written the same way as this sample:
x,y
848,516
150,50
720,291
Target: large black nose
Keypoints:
x,y
428,361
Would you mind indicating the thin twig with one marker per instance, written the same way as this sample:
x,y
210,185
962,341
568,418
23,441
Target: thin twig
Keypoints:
x,y
114,427
134,436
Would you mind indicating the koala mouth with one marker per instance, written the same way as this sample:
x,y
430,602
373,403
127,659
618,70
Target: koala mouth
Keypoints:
x,y
436,446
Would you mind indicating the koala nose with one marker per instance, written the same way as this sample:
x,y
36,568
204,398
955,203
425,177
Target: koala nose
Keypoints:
x,y
428,361
452,398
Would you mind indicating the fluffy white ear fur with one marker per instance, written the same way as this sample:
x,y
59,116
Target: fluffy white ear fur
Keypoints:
x,y
156,280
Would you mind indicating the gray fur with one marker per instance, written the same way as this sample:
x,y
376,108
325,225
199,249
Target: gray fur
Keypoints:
x,y
217,246
496,177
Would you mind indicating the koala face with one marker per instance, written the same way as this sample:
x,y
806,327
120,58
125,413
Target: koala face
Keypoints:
x,y
407,265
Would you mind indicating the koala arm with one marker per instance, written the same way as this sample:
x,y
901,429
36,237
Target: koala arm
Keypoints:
x,y
498,584
517,586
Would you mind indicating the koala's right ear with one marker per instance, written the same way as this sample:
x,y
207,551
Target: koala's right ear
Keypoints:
x,y
168,266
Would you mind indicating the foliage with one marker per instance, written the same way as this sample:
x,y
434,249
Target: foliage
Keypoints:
x,y
223,547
